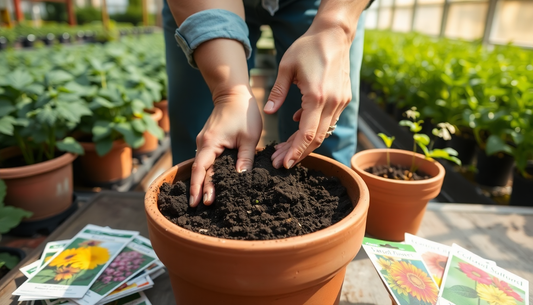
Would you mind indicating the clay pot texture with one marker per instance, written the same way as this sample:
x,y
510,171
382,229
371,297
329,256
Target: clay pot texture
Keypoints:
x,y
151,142
116,165
397,206
164,123
43,188
307,269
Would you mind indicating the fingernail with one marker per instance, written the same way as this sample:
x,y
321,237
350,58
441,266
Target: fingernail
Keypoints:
x,y
205,197
242,170
210,197
290,163
269,106
191,201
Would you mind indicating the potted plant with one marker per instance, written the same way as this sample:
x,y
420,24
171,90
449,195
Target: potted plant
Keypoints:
x,y
402,182
10,217
306,269
36,116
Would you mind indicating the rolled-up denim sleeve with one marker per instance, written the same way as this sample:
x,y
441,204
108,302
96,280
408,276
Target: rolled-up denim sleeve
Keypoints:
x,y
211,24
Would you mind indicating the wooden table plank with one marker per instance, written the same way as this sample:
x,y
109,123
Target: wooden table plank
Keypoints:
x,y
502,234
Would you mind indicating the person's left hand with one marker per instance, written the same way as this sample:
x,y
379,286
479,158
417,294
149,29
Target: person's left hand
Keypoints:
x,y
319,64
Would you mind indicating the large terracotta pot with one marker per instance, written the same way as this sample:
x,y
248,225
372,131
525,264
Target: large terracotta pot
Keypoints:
x,y
308,269
397,206
44,188
151,142
115,166
164,123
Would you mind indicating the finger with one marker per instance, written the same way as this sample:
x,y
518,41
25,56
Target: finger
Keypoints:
x,y
209,187
277,161
297,115
279,91
306,136
245,158
203,161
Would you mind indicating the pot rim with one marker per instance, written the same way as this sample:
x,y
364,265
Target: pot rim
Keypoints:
x,y
380,151
91,146
297,242
155,113
35,169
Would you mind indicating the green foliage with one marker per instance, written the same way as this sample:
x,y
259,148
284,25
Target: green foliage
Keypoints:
x,y
88,14
486,91
100,90
10,216
387,140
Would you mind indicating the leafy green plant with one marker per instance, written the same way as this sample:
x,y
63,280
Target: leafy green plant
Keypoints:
x,y
388,142
37,114
423,140
10,217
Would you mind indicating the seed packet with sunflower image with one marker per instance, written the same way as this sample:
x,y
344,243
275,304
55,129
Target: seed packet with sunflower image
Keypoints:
x,y
471,280
402,271
50,250
435,255
71,272
134,258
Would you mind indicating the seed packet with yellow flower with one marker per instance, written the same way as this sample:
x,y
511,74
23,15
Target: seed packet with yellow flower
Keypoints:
x,y
71,272
435,255
134,258
471,280
50,250
403,272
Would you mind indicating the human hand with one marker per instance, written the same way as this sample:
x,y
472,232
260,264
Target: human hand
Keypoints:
x,y
235,123
319,64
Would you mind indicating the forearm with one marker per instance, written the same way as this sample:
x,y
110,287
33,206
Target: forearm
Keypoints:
x,y
339,14
181,9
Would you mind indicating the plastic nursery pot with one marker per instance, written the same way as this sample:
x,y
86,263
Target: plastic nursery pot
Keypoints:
x,y
43,188
494,170
151,142
114,166
307,269
521,194
397,206
164,123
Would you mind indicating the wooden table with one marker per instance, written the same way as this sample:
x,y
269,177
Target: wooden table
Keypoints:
x,y
501,234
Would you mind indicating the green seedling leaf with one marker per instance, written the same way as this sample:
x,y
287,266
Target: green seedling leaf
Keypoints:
x,y
421,139
10,217
10,261
69,144
443,154
496,144
387,140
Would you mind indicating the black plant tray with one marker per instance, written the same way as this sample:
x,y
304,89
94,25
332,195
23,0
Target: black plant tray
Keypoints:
x,y
44,226
455,188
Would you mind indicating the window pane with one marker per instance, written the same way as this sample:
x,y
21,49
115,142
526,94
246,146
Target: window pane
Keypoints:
x,y
402,19
430,1
512,23
428,19
384,19
386,3
404,2
466,21
371,19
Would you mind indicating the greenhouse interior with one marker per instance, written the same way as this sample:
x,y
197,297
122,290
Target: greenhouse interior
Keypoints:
x,y
307,152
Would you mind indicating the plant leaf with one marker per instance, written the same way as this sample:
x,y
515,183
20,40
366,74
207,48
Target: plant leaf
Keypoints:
x,y
58,77
3,188
71,145
152,127
496,144
10,261
133,138
6,108
421,139
6,125
47,116
10,217
101,129
103,146
387,140
464,291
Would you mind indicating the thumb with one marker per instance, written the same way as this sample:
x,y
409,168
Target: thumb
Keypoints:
x,y
245,158
279,91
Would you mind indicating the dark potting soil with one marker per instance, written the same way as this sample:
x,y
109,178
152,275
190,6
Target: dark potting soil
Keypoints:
x,y
396,172
262,204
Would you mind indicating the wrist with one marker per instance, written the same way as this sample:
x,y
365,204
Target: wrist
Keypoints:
x,y
339,16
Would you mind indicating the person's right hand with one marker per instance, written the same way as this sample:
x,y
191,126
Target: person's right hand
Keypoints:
x,y
235,123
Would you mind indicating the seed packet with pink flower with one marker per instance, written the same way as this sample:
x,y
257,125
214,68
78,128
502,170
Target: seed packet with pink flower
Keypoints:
x,y
435,255
71,272
403,272
134,258
471,280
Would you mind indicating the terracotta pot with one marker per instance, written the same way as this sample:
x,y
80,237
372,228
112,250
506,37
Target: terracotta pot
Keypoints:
x,y
164,123
307,269
151,142
116,165
44,188
397,206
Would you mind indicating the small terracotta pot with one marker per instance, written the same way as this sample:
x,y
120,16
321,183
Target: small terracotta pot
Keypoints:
x,y
116,165
307,269
151,142
397,206
44,188
164,123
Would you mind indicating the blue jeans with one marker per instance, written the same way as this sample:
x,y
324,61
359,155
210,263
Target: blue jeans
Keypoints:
x,y
189,98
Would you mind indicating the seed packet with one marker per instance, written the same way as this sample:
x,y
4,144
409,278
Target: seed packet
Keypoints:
x,y
138,298
403,272
135,257
50,250
126,289
71,272
471,280
435,255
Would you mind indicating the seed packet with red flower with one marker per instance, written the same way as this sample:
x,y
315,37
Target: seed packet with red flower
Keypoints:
x,y
470,280
403,272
